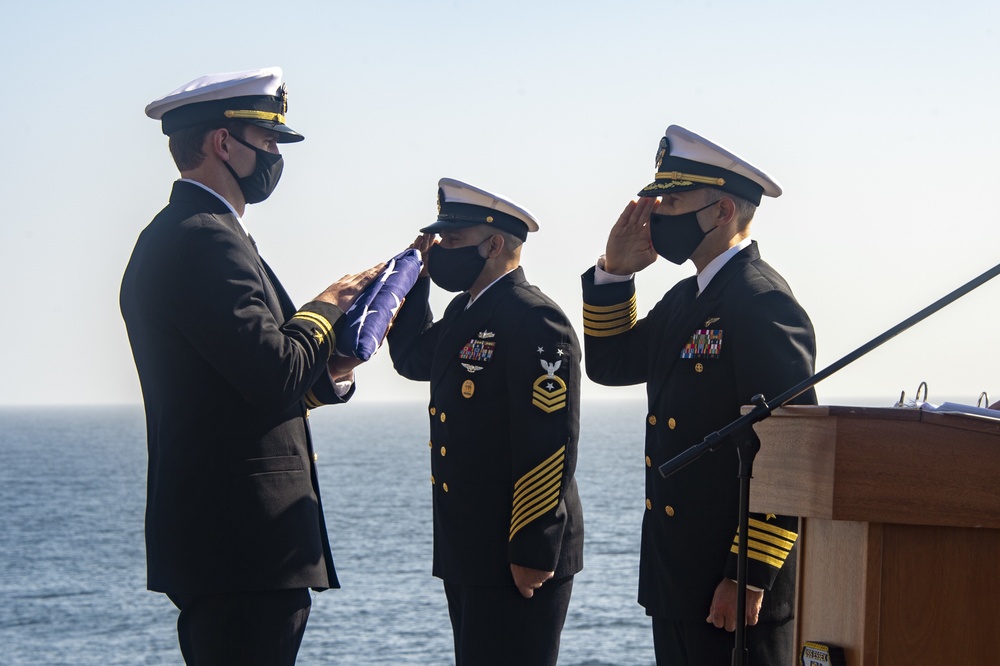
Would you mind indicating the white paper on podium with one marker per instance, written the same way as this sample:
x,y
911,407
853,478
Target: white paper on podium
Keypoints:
x,y
967,410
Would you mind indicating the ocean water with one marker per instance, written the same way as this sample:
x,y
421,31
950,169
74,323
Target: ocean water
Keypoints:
x,y
72,562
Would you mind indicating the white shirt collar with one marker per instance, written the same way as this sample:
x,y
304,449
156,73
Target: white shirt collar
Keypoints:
x,y
716,264
480,294
221,198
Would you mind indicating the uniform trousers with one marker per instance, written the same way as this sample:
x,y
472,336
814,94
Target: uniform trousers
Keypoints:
x,y
496,626
702,644
242,628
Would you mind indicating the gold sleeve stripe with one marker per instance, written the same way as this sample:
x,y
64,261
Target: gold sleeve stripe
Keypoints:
x,y
629,318
595,333
553,460
537,492
311,401
542,495
602,321
611,316
324,328
773,529
770,538
780,553
541,511
600,309
760,557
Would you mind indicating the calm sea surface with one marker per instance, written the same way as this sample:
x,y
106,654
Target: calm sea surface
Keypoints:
x,y
72,561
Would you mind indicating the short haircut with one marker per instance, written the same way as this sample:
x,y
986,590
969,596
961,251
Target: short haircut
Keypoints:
x,y
186,144
744,209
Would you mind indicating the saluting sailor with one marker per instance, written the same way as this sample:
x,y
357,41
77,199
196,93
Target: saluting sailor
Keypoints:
x,y
504,370
235,532
712,342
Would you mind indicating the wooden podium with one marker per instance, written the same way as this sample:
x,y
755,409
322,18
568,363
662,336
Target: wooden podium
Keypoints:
x,y
899,545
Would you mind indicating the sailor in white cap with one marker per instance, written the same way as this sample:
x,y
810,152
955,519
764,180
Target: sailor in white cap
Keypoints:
x,y
713,341
503,364
235,532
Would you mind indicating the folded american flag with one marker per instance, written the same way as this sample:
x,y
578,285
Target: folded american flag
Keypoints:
x,y
368,320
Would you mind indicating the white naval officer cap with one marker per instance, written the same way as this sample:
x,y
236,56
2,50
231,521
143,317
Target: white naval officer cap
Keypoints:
x,y
255,96
687,161
462,205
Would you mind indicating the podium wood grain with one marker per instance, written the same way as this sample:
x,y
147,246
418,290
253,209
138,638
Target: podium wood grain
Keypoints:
x,y
900,534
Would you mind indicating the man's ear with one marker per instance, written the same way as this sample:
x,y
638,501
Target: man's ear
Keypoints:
x,y
217,143
727,211
496,246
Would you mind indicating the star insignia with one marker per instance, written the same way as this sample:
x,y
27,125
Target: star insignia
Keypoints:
x,y
318,334
550,386
560,352
541,350
770,516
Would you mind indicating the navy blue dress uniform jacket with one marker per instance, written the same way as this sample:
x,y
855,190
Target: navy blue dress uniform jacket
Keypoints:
x,y
227,367
504,421
702,359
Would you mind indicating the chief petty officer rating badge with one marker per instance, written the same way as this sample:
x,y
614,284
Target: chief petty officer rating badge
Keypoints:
x,y
549,391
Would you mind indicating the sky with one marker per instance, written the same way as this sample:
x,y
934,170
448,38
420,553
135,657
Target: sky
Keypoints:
x,y
879,119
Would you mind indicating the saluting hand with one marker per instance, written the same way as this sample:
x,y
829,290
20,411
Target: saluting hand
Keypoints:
x,y
424,243
629,248
343,292
529,580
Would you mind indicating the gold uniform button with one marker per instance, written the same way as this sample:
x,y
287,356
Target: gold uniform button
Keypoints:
x,y
444,451
649,463
669,509
649,505
698,367
432,480
445,486
433,411
671,423
430,444
307,413
652,419
442,417
315,457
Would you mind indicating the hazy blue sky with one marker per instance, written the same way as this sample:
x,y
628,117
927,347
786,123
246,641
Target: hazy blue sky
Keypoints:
x,y
879,120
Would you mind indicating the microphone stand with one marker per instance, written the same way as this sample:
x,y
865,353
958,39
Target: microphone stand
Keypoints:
x,y
747,443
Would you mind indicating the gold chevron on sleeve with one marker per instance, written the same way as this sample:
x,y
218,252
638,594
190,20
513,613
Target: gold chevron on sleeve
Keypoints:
x,y
549,393
766,543
537,492
603,321
322,325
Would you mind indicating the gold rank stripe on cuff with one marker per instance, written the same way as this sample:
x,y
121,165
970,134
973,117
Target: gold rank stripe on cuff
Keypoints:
x,y
767,543
537,492
312,402
602,321
323,326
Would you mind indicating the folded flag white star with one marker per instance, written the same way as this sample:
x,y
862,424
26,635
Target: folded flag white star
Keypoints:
x,y
368,320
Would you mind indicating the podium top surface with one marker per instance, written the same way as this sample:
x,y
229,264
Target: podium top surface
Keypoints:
x,y
879,464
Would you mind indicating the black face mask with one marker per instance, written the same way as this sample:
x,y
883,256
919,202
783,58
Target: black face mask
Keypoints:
x,y
258,186
455,269
676,237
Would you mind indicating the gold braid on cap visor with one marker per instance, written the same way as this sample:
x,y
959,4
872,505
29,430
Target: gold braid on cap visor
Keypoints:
x,y
677,175
257,115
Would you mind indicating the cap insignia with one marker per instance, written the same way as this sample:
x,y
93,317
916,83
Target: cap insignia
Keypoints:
x,y
283,94
661,152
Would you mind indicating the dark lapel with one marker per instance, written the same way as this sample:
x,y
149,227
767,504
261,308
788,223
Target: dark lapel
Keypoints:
x,y
465,325
184,193
685,322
